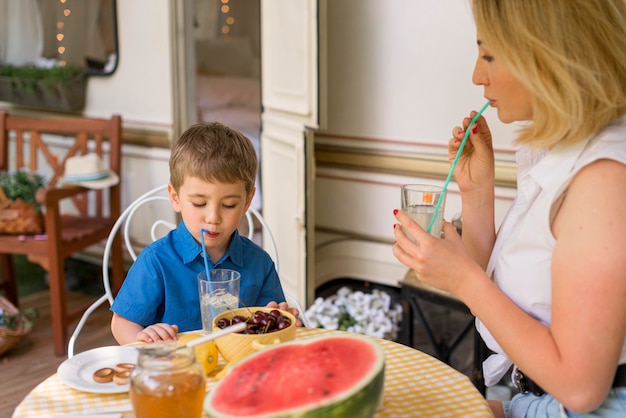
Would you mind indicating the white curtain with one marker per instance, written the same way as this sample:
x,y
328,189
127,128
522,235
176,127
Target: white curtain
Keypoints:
x,y
21,32
206,19
82,31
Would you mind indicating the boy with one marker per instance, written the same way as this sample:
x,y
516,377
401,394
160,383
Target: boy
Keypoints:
x,y
212,176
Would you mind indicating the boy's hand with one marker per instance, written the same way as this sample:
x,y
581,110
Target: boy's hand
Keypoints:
x,y
158,332
285,307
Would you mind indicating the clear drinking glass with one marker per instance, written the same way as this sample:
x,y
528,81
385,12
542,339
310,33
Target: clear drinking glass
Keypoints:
x,y
419,201
218,293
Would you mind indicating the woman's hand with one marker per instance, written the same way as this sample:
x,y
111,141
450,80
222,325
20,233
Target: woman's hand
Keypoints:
x,y
475,177
157,332
475,167
440,262
283,306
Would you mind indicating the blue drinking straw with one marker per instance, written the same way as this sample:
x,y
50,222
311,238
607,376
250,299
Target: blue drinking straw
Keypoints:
x,y
206,257
456,160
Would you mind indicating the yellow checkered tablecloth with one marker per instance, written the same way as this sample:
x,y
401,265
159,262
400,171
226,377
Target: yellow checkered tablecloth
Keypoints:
x,y
416,385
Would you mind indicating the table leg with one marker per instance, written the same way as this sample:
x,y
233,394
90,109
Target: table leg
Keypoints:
x,y
443,347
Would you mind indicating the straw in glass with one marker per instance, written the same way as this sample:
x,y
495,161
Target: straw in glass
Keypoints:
x,y
206,257
456,160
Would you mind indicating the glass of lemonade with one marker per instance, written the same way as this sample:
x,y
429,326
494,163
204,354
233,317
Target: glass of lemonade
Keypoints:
x,y
419,202
218,293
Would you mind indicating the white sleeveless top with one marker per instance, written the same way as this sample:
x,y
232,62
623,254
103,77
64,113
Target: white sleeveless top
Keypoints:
x,y
521,259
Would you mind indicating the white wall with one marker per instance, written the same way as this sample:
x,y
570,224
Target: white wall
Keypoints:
x,y
141,90
401,70
141,87
399,77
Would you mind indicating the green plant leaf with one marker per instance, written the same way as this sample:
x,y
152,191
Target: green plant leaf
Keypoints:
x,y
22,184
24,318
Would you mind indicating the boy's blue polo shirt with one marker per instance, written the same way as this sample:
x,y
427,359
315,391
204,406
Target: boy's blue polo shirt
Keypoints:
x,y
162,287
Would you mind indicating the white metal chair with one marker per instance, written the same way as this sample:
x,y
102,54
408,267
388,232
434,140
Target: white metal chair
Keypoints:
x,y
159,228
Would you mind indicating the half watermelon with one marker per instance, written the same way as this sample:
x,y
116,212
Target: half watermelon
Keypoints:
x,y
333,376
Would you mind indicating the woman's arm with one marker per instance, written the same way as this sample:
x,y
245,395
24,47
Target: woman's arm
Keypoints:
x,y
575,358
475,176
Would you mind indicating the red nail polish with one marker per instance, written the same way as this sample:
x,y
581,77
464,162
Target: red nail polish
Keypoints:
x,y
475,130
394,226
395,211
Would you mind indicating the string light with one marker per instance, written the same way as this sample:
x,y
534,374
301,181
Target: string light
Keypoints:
x,y
60,36
229,21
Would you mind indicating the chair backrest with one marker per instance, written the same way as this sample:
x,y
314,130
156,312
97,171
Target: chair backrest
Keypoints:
x,y
158,194
158,221
160,227
74,217
24,144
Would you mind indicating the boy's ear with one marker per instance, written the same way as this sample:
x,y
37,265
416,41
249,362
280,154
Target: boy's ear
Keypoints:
x,y
249,199
174,198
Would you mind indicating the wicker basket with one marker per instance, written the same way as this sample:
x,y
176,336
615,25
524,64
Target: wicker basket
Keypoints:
x,y
10,337
19,217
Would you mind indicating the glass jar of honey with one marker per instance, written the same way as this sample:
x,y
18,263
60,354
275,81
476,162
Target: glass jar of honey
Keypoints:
x,y
167,382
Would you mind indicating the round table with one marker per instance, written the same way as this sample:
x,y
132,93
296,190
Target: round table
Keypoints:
x,y
416,384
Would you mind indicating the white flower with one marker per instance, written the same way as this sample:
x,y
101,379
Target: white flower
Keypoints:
x,y
355,311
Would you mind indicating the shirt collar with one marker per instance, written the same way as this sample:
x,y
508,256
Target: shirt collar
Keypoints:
x,y
557,164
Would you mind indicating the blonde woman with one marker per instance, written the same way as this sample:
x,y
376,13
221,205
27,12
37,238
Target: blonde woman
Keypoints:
x,y
549,289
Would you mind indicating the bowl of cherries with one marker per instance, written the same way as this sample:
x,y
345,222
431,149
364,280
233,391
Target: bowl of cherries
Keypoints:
x,y
265,326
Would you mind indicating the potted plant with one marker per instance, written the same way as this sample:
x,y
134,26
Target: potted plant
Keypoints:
x,y
14,324
58,88
20,213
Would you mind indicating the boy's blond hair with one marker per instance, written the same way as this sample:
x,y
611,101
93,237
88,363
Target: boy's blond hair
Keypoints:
x,y
569,54
213,152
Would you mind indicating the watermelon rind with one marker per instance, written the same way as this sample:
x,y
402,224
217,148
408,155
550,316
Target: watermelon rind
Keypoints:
x,y
361,401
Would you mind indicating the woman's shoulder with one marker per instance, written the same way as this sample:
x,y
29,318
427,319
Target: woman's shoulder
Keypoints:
x,y
609,143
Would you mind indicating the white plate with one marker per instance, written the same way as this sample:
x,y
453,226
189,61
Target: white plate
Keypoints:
x,y
77,372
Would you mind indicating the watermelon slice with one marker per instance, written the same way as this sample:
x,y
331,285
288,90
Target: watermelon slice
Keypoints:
x,y
332,376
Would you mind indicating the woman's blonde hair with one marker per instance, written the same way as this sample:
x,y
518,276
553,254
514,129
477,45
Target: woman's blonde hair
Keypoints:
x,y
216,153
569,54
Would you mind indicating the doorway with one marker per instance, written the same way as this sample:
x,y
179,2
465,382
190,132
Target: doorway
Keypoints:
x,y
227,45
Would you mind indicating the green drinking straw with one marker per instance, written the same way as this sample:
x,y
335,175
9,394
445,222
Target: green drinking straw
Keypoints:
x,y
456,160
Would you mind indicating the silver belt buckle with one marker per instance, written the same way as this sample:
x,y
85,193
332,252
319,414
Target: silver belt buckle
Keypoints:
x,y
518,381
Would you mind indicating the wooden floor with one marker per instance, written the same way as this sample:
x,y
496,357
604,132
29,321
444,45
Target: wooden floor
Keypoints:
x,y
32,360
